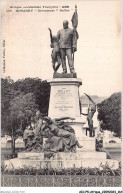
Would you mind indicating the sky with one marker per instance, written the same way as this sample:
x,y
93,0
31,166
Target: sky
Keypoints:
x,y
98,57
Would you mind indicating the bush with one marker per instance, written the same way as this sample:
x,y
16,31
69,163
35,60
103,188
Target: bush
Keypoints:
x,y
8,156
105,170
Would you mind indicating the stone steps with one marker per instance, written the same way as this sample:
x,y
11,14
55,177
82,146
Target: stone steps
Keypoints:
x,y
61,160
63,155
60,164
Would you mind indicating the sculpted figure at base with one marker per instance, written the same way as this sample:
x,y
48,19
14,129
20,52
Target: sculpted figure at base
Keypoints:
x,y
26,134
60,136
34,140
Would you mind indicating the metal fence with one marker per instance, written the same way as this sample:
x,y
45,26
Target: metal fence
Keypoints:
x,y
60,181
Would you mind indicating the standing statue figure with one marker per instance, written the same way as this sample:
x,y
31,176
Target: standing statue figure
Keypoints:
x,y
65,44
55,52
68,42
66,37
91,111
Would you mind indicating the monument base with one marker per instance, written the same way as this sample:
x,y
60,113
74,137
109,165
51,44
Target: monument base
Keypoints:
x,y
63,155
88,143
61,160
64,75
65,102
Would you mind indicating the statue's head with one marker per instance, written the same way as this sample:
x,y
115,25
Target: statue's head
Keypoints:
x,y
93,108
65,24
38,114
32,125
28,125
48,120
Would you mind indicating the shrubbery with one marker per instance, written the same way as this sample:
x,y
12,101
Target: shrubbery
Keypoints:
x,y
104,170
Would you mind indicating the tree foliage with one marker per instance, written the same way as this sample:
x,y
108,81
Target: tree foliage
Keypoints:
x,y
7,93
22,107
20,100
109,113
40,89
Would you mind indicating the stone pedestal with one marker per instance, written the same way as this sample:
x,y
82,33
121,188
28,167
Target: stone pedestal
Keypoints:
x,y
64,97
64,102
88,143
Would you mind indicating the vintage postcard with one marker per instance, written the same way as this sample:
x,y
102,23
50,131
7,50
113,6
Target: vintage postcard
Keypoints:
x,y
61,97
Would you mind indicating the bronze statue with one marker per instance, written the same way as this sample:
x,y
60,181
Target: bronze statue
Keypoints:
x,y
26,133
34,137
60,136
65,44
65,37
55,52
91,111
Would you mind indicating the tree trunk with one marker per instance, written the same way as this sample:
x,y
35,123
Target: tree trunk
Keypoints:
x,y
13,142
13,145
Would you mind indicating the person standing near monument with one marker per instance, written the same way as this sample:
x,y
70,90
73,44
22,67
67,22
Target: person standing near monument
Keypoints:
x,y
66,37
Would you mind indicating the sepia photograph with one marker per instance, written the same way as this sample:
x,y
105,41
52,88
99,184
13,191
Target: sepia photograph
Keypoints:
x,y
61,74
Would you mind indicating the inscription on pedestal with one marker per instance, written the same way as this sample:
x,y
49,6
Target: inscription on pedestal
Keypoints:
x,y
64,98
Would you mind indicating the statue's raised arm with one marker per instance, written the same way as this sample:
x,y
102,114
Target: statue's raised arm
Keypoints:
x,y
51,37
90,99
55,55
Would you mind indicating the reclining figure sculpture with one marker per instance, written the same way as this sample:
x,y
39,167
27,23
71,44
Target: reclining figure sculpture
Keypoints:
x,y
60,136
